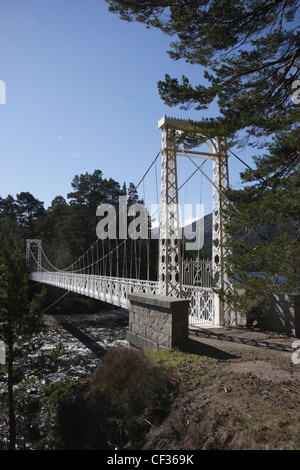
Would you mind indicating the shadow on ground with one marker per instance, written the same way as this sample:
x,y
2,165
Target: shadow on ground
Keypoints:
x,y
244,337
197,347
85,339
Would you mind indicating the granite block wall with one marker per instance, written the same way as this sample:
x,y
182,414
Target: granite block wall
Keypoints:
x,y
157,322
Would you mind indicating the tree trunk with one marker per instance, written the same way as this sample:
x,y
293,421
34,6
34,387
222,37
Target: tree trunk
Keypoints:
x,y
11,403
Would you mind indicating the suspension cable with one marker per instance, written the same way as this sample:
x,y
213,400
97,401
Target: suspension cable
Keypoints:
x,y
42,251
136,187
56,301
105,256
37,263
111,251
244,163
214,185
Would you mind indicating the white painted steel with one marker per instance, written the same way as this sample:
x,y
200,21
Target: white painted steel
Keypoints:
x,y
115,291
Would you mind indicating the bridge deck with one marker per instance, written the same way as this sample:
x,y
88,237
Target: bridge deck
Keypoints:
x,y
115,290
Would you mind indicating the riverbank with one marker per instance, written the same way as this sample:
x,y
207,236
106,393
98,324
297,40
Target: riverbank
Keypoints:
x,y
118,314
239,390
69,348
231,388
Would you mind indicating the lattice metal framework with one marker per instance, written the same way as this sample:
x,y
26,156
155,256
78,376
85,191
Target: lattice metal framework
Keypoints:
x,y
37,243
221,182
170,276
196,273
170,281
116,290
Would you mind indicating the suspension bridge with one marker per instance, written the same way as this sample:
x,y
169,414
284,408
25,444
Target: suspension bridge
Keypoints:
x,y
111,273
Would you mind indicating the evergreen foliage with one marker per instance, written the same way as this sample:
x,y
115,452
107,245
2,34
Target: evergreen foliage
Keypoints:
x,y
20,317
68,228
249,53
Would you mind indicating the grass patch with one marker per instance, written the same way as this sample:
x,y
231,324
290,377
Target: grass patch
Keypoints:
x,y
190,369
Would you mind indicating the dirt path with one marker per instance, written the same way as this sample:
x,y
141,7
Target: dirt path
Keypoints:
x,y
243,395
260,352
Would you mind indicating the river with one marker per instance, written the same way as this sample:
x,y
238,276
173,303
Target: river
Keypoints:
x,y
83,340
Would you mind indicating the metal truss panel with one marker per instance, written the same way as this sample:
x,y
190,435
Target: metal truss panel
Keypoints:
x,y
38,243
168,250
224,314
169,245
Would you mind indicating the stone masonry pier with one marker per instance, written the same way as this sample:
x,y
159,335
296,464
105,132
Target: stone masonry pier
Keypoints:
x,y
157,322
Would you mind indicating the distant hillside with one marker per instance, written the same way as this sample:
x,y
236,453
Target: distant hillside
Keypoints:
x,y
207,229
253,238
189,229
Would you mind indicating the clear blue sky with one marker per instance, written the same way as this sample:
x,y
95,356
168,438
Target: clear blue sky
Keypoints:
x,y
81,94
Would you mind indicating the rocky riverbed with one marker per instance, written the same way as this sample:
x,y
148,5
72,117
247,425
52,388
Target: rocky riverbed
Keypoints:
x,y
85,338
80,340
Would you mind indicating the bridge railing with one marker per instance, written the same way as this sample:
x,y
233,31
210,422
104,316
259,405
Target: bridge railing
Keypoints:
x,y
115,290
201,309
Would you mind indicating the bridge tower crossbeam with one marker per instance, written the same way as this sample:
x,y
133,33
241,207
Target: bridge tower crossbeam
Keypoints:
x,y
38,243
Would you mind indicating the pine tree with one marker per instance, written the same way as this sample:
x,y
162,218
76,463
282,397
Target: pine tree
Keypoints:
x,y
249,56
20,317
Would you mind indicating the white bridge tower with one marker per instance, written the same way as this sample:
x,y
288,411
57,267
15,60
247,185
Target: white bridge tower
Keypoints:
x,y
170,275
